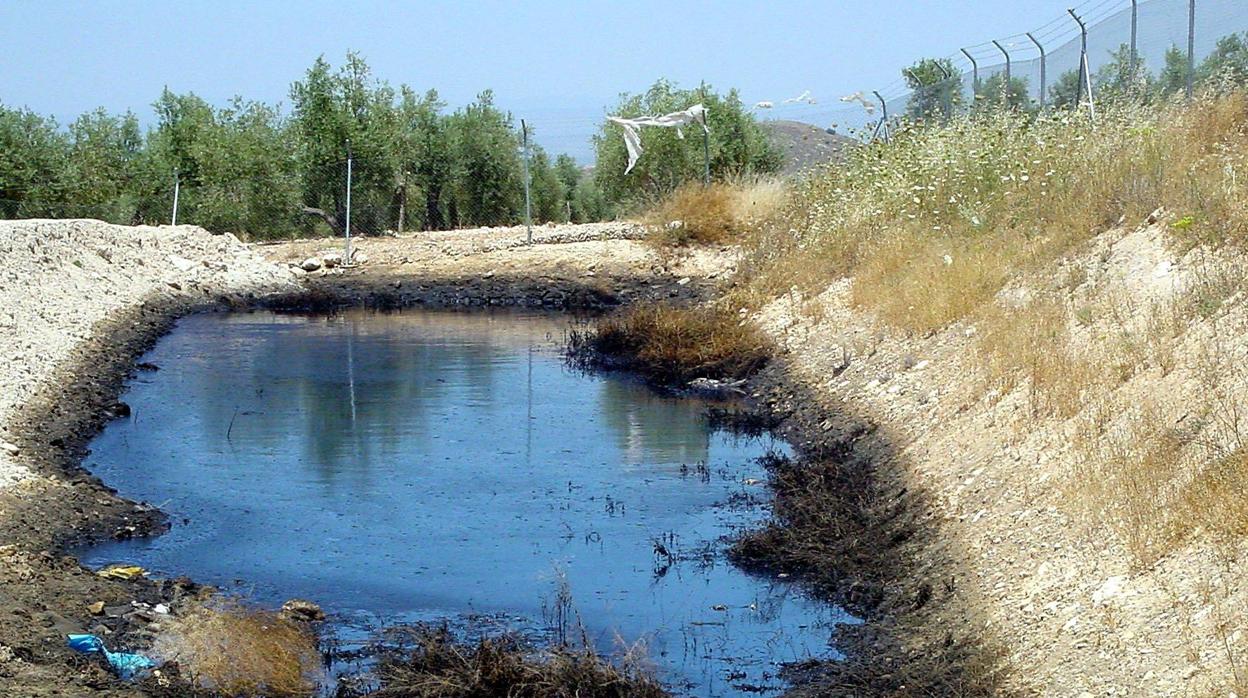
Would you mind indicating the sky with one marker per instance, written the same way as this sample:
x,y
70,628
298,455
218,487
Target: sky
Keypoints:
x,y
559,64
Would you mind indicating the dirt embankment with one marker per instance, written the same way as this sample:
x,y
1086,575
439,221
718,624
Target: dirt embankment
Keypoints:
x,y
589,266
1015,552
81,301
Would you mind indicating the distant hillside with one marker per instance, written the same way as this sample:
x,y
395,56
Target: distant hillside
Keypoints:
x,y
806,145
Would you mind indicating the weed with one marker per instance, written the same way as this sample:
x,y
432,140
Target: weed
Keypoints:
x,y
671,346
694,214
438,667
234,650
932,225
1033,344
715,214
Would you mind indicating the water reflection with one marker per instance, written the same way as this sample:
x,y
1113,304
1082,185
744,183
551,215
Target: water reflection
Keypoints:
x,y
426,465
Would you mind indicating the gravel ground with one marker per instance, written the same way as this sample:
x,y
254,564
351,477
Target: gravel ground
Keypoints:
x,y
60,278
589,266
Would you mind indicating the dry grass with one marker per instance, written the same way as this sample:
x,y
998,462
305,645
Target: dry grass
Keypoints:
x,y
1217,497
932,225
1125,480
718,214
233,650
670,345
1031,347
438,667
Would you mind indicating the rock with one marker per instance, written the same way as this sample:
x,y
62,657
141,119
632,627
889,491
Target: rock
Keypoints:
x,y
297,271
1111,588
302,611
331,259
712,386
310,264
97,608
139,616
9,448
182,264
685,281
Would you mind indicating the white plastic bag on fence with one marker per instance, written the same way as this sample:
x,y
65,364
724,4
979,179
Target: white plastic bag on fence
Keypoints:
x,y
677,120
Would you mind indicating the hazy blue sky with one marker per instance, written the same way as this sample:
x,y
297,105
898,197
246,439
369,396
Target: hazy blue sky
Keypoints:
x,y
539,57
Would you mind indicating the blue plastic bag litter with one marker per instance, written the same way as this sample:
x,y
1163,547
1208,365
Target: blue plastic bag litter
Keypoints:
x,y
127,666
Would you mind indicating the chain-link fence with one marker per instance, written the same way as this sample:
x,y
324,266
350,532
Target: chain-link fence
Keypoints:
x,y
1098,49
361,157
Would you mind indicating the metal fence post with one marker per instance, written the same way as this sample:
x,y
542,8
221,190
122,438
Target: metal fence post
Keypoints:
x,y
1083,56
1005,86
1043,66
974,74
918,84
176,187
1191,47
1135,56
347,260
947,108
528,201
706,141
883,119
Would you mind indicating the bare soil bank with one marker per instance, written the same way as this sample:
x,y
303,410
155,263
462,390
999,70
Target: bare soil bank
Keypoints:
x,y
83,300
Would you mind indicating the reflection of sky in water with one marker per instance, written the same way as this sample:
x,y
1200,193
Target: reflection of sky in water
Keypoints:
x,y
425,465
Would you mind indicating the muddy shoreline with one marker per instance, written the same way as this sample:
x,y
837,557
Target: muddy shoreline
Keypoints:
x,y
902,649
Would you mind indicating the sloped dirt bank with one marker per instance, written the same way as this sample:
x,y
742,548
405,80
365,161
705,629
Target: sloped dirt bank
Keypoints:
x,y
82,301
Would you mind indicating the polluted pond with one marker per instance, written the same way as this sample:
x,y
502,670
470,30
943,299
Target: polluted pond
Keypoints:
x,y
452,469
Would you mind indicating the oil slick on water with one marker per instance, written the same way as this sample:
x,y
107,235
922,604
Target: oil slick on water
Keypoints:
x,y
447,466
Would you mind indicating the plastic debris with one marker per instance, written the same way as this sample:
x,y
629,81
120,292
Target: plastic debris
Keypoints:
x,y
632,134
126,665
122,572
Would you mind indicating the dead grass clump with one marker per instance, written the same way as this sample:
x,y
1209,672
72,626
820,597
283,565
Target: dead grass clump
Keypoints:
x,y
438,667
233,650
758,202
920,284
829,532
1217,497
670,345
694,214
817,518
1129,479
716,214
